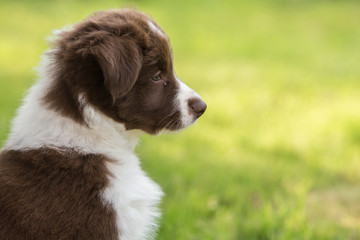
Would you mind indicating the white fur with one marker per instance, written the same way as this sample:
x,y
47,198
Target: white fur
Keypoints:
x,y
156,29
185,93
133,195
183,96
58,32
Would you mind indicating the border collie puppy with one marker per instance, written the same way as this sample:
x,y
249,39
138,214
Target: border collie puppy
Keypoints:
x,y
68,169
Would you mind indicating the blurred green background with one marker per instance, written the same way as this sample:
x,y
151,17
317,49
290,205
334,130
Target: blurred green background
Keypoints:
x,y
277,154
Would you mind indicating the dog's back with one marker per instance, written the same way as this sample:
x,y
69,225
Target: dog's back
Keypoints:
x,y
48,194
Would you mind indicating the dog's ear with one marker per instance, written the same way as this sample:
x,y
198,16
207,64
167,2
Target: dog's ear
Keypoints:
x,y
120,61
115,48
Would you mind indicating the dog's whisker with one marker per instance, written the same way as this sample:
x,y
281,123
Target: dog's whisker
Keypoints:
x,y
167,125
169,115
80,120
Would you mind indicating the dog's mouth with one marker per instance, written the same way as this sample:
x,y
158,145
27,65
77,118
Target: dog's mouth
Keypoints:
x,y
172,122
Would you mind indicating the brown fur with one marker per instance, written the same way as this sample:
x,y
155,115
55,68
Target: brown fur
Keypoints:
x,y
111,58
53,195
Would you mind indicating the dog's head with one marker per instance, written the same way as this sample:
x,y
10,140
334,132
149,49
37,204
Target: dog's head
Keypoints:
x,y
120,62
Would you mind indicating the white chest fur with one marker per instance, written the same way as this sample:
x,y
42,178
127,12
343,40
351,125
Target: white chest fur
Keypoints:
x,y
134,197
132,194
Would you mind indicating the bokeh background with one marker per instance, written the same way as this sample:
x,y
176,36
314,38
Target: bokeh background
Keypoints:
x,y
277,154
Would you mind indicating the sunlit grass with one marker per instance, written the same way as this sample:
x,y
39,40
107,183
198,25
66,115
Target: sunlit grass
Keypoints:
x,y
276,155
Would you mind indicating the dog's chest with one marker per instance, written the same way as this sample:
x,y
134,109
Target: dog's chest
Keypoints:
x,y
135,198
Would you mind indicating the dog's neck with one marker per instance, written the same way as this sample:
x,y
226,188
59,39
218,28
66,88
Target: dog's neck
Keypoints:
x,y
37,126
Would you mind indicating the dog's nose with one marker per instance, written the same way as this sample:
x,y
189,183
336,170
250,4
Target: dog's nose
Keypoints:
x,y
198,106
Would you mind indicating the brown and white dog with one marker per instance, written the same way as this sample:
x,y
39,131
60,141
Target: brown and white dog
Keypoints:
x,y
68,169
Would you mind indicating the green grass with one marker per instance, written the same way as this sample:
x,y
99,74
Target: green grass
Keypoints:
x,y
277,154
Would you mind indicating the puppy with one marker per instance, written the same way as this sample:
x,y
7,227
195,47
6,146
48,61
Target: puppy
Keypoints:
x,y
68,169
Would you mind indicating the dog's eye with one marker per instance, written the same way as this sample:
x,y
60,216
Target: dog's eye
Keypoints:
x,y
157,77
